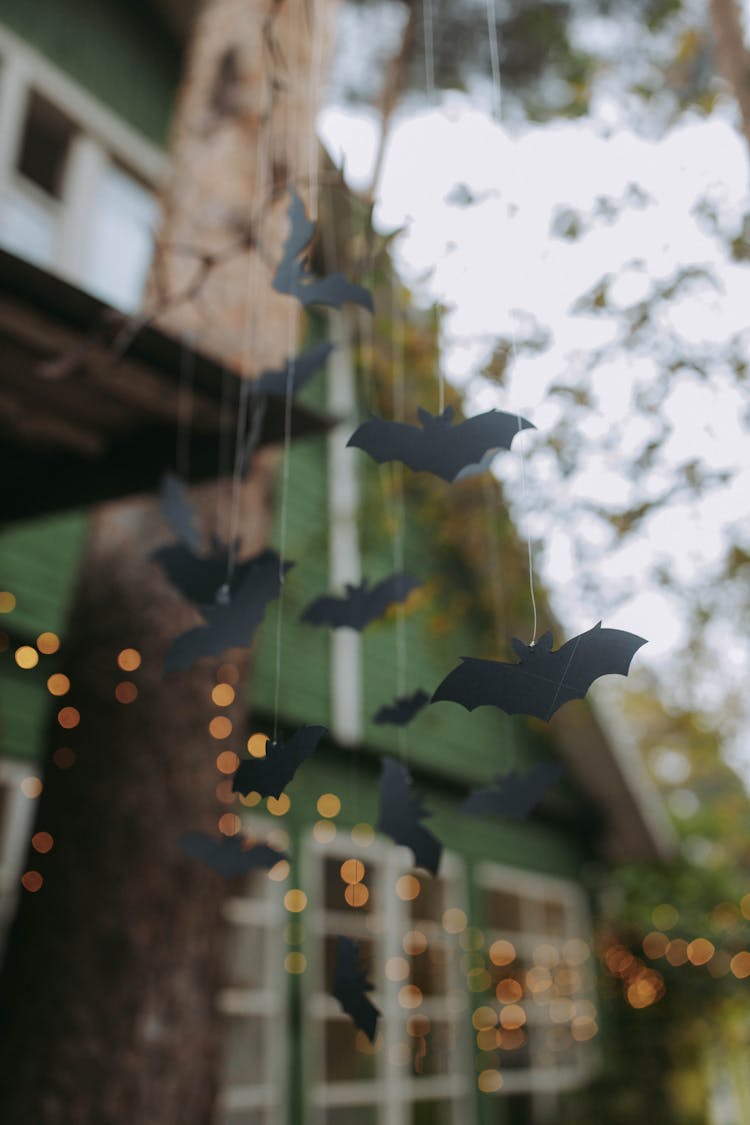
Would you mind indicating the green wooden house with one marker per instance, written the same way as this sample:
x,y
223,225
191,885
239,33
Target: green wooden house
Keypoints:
x,y
485,975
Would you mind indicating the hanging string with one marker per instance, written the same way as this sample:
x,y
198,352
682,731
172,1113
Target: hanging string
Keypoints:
x,y
519,440
185,404
429,48
397,479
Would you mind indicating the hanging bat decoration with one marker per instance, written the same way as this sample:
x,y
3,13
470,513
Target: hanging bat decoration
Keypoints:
x,y
197,577
293,274
235,615
350,987
542,680
513,795
360,605
230,855
402,710
401,813
436,446
269,776
179,512
295,374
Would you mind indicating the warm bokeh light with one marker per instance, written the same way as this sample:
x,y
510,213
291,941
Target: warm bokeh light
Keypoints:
x,y
32,881
31,787
676,952
220,727
257,745
471,939
224,792
655,944
418,1026
227,762
410,996
229,824
222,695
478,980
363,834
251,799
561,1009
365,1047
512,1038
483,1018
126,692
508,991
512,1017
48,643
68,718
502,952
227,673
488,1039
324,831
414,942
356,894
583,1028
407,888
740,965
295,901
295,962
538,979
57,684
490,1081
397,968
454,920
42,842
26,657
7,601
278,806
575,951
352,871
129,659
280,871
328,805
645,989
546,955
64,757
700,951
665,916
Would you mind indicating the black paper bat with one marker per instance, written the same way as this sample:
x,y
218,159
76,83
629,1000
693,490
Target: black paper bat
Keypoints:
x,y
361,604
233,622
229,855
197,577
513,795
402,710
299,371
350,987
179,512
293,275
269,776
542,680
401,811
437,446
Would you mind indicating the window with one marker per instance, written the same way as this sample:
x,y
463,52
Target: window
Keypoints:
x,y
252,1002
418,1068
544,1019
16,813
76,184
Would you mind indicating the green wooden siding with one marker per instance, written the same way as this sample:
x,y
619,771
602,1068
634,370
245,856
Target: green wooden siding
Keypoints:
x,y
120,53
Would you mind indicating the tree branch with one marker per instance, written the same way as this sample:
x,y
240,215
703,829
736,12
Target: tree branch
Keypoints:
x,y
732,56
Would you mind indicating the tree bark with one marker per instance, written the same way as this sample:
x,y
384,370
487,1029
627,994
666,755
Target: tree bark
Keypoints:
x,y
732,56
108,987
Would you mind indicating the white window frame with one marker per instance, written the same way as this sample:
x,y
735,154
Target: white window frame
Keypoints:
x,y
392,1092
264,909
103,139
533,889
15,832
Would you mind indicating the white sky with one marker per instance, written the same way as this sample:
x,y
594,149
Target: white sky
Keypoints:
x,y
494,263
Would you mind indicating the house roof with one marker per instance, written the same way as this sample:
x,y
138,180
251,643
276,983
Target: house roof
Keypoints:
x,y
80,423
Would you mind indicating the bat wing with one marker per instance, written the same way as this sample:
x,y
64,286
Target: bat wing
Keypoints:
x,y
350,987
466,445
391,441
299,371
494,683
598,652
327,610
269,776
401,813
403,710
333,290
179,512
197,577
395,588
228,856
301,232
513,795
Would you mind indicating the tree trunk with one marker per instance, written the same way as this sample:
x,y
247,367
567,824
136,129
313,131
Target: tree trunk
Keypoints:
x,y
732,56
108,987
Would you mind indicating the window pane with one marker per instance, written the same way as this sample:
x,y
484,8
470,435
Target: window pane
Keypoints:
x,y
246,963
428,905
45,143
351,1115
366,960
244,1050
244,1117
435,1054
348,1053
503,911
431,1113
429,970
554,919
28,228
120,239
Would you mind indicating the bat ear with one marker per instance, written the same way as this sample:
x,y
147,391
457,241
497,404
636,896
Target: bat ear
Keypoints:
x,y
447,415
545,642
424,416
521,650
